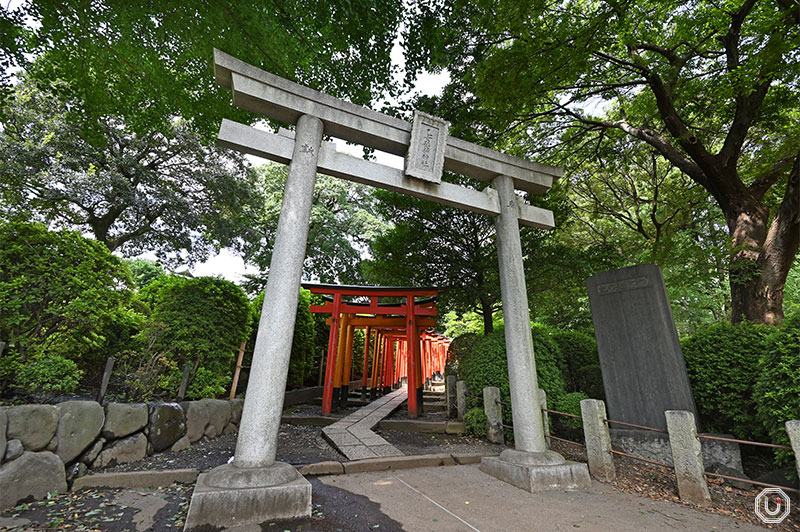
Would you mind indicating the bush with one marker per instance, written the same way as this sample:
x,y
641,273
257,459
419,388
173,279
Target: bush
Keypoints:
x,y
475,422
301,361
486,365
58,292
777,390
571,404
51,374
200,321
460,346
590,381
206,383
721,362
578,350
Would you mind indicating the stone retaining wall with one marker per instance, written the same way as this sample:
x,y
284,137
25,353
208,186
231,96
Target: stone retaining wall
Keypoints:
x,y
43,448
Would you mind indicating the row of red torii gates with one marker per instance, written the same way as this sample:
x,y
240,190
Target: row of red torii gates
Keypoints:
x,y
403,350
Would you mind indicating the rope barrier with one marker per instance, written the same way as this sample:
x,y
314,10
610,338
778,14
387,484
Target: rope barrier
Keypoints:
x,y
560,413
565,441
641,459
507,426
635,426
745,442
754,482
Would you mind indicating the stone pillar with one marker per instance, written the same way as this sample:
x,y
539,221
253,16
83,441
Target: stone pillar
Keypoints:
x,y
494,414
450,395
598,440
528,433
545,416
256,489
793,430
461,399
687,457
530,466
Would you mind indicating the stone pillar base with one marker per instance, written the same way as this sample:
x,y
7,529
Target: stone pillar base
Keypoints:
x,y
229,498
547,471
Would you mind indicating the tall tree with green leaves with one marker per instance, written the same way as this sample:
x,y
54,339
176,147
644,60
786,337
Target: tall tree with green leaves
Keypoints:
x,y
712,87
167,193
343,221
148,62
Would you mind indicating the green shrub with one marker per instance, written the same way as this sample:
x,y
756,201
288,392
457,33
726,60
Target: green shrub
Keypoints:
x,y
721,362
206,383
571,404
577,350
460,346
590,381
200,321
58,293
777,390
475,422
301,361
486,365
51,374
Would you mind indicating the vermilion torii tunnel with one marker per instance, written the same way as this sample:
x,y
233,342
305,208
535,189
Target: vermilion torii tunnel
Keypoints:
x,y
397,335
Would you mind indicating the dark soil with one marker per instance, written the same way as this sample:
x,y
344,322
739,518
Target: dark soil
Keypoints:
x,y
412,443
654,482
297,445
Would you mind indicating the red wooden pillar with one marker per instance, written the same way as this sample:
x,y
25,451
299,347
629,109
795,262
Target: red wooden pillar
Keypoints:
x,y
413,347
330,365
366,365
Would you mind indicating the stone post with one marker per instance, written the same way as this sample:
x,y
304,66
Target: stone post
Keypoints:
x,y
545,416
528,433
687,456
494,414
104,382
256,489
461,399
598,440
450,395
793,430
187,370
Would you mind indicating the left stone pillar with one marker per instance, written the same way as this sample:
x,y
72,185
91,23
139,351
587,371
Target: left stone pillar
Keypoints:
x,y
255,489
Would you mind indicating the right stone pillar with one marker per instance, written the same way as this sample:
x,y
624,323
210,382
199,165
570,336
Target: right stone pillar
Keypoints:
x,y
530,466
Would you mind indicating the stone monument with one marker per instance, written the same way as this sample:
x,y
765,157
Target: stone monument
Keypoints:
x,y
641,360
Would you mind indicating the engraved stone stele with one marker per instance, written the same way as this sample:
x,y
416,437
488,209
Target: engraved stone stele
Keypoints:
x,y
425,156
641,360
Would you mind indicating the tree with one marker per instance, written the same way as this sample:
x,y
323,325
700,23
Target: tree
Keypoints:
x,y
59,292
343,222
161,192
713,88
147,63
433,245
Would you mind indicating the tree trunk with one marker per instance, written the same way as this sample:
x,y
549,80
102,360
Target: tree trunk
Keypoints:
x,y
762,256
488,318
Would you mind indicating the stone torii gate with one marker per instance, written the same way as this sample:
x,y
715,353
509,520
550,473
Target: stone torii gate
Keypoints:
x,y
255,488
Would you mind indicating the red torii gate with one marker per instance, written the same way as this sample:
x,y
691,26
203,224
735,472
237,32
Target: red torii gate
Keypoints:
x,y
402,347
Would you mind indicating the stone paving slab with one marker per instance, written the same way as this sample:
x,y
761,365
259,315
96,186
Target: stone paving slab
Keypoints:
x,y
352,435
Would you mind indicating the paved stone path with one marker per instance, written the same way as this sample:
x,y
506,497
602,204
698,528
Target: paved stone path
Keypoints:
x,y
352,435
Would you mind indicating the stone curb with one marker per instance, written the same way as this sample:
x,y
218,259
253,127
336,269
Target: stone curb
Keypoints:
x,y
410,425
391,463
313,421
136,479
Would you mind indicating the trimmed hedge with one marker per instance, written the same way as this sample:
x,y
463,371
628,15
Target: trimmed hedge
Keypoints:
x,y
777,390
578,350
486,365
721,362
